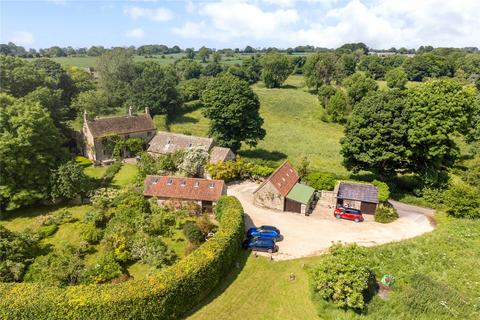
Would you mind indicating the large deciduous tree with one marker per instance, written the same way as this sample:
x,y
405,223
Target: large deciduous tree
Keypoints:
x,y
319,69
276,69
233,110
376,134
116,71
69,181
436,110
358,85
30,147
396,78
337,106
155,88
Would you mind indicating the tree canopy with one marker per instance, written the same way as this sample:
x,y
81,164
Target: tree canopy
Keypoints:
x,y
233,110
276,68
358,85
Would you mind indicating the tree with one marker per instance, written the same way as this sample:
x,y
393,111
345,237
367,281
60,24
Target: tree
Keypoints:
x,y
325,92
276,69
372,65
68,181
212,69
319,69
16,253
190,53
233,110
358,85
216,57
116,71
396,78
52,101
436,110
58,77
194,161
337,106
154,88
93,102
203,54
30,147
188,69
427,65
376,135
252,68
82,80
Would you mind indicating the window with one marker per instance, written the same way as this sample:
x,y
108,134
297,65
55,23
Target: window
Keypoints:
x,y
196,184
149,134
168,142
155,180
283,179
169,182
212,184
184,183
189,145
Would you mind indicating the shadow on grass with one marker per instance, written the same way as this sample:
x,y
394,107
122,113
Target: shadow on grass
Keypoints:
x,y
30,212
288,86
227,280
183,119
263,154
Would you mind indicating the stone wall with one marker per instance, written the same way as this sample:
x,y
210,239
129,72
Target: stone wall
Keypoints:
x,y
268,196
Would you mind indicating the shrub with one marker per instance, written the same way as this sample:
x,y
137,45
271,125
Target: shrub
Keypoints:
x,y
104,198
240,169
321,180
90,233
58,268
152,251
84,162
111,171
63,216
48,230
168,294
383,190
463,201
385,213
193,233
103,269
343,277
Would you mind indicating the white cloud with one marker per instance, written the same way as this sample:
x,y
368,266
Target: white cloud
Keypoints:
x,y
22,38
231,20
159,14
135,33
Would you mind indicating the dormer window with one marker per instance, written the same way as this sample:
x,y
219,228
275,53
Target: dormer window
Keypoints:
x,y
196,184
189,145
184,183
291,170
155,180
168,142
283,179
169,182
211,185
288,175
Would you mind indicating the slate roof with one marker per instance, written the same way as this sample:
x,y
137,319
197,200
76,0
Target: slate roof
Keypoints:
x,y
283,179
358,191
301,193
218,154
168,142
183,188
120,125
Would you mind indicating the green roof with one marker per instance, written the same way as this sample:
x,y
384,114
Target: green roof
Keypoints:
x,y
301,193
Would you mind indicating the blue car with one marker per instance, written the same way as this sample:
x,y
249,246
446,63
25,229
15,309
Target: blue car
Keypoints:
x,y
260,244
264,232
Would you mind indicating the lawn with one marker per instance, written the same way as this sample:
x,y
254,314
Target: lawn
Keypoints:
x,y
435,279
293,126
126,176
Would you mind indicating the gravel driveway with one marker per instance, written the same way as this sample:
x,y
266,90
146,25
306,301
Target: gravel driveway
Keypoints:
x,y
305,236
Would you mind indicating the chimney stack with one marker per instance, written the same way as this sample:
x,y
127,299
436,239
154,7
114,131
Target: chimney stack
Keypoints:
x,y
84,115
130,111
147,110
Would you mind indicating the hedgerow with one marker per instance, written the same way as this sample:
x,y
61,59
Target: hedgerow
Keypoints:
x,y
168,294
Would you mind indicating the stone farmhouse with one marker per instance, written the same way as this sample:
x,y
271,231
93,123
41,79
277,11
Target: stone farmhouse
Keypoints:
x,y
129,126
204,192
282,191
169,142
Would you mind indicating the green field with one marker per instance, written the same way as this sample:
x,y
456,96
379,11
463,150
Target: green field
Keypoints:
x,y
293,126
126,176
436,278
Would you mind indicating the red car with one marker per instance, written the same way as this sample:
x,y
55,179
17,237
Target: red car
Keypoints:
x,y
349,214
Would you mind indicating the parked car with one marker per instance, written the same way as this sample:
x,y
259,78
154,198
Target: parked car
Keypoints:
x,y
348,214
264,231
260,244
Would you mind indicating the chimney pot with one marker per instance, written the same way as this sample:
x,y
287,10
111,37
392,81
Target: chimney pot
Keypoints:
x,y
130,111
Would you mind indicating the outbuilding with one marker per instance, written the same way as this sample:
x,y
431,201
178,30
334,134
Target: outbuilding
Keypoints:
x,y
282,191
361,196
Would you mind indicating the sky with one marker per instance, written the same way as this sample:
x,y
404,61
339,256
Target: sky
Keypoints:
x,y
381,24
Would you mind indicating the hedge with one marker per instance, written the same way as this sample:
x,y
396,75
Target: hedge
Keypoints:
x,y
168,294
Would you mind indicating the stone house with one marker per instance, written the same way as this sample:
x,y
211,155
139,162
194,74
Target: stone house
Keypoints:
x,y
129,126
361,196
204,192
169,142
281,191
220,154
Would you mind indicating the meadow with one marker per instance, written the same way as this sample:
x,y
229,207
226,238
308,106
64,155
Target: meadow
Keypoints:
x,y
293,128
435,274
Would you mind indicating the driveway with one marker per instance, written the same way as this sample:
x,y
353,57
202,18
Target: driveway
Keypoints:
x,y
306,236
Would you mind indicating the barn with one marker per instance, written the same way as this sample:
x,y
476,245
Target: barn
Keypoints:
x,y
362,196
281,191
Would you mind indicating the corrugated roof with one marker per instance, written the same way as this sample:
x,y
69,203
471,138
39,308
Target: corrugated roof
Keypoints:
x,y
218,154
168,142
101,127
301,193
283,179
358,191
183,188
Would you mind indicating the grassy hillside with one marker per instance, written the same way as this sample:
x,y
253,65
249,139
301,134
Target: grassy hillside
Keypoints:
x,y
293,125
435,279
